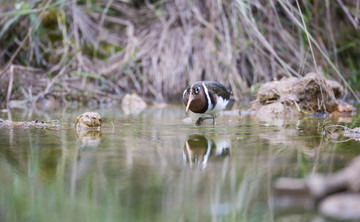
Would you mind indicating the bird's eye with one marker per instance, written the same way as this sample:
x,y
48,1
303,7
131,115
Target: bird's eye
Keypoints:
x,y
197,90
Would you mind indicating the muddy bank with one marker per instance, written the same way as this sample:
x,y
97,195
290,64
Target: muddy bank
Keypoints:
x,y
87,125
31,124
295,96
85,121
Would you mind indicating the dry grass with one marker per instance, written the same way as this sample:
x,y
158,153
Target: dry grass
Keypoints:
x,y
77,50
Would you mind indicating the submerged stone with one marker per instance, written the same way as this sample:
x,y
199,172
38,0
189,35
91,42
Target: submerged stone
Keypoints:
x,y
88,119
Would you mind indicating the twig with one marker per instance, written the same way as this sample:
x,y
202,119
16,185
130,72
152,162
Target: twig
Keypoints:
x,y
331,32
347,13
10,84
357,12
307,35
103,14
76,34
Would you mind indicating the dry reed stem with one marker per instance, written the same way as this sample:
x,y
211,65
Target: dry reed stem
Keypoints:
x,y
11,80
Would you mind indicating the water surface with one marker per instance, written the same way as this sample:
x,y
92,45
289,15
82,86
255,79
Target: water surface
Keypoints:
x,y
152,166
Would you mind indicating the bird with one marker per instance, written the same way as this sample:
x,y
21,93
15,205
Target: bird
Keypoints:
x,y
206,98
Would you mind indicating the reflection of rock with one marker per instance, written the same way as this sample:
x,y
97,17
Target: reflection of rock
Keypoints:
x,y
88,119
198,149
89,137
284,130
132,103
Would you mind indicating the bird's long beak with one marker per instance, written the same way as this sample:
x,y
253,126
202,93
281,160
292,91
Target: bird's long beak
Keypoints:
x,y
191,97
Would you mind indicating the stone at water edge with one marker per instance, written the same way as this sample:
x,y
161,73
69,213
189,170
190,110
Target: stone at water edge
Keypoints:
x,y
132,103
296,96
88,119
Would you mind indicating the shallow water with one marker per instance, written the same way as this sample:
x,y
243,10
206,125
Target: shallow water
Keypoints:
x,y
152,166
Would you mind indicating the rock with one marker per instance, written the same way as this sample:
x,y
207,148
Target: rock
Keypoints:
x,y
343,206
336,87
344,107
187,120
132,103
309,94
313,94
272,91
273,108
88,119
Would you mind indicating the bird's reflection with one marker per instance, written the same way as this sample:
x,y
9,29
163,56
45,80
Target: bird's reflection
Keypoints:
x,y
199,149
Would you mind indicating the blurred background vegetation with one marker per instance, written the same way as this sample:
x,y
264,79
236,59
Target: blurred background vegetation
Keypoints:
x,y
99,50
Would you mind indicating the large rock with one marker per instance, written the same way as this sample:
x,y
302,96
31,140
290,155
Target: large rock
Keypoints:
x,y
309,94
87,120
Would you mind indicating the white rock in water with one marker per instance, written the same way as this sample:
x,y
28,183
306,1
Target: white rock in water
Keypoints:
x,y
187,120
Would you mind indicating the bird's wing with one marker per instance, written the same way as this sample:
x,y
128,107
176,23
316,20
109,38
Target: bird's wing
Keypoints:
x,y
219,89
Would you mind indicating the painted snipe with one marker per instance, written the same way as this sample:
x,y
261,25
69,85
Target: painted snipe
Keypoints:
x,y
206,98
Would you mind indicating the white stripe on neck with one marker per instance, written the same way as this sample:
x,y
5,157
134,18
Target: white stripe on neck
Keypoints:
x,y
210,105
